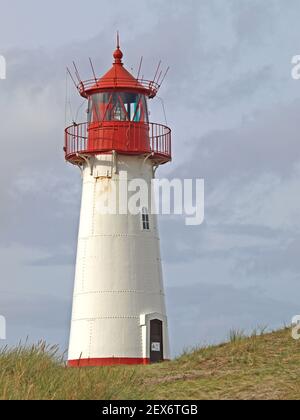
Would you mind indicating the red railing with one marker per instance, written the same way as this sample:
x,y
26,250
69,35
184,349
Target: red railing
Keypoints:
x,y
79,139
148,85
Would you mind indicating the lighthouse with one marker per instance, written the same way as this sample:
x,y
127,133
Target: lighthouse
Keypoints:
x,y
119,313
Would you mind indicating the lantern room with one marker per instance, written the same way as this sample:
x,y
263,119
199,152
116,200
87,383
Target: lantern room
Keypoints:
x,y
117,106
118,118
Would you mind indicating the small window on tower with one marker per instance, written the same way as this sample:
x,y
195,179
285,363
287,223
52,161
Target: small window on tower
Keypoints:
x,y
145,219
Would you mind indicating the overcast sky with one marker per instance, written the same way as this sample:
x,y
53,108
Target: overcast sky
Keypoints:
x,y
234,111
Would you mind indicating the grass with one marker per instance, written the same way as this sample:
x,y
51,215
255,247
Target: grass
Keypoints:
x,y
263,366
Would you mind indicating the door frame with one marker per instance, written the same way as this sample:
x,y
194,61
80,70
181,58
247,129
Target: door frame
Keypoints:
x,y
145,327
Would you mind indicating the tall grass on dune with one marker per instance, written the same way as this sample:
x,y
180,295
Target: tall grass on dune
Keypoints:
x,y
39,372
260,366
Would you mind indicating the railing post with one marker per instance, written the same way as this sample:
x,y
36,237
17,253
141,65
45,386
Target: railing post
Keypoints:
x,y
66,143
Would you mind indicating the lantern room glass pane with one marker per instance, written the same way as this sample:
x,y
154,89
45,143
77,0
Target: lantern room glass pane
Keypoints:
x,y
118,106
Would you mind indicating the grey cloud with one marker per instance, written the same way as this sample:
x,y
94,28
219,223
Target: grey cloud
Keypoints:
x,y
39,311
204,313
275,260
56,259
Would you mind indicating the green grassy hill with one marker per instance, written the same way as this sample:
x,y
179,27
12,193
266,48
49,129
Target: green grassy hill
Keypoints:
x,y
260,367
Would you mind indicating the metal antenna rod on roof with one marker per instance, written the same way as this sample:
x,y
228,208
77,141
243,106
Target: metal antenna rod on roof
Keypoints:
x,y
157,70
72,78
93,70
76,72
159,77
118,40
167,71
140,67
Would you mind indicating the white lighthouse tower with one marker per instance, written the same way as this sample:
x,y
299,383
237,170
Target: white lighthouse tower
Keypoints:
x,y
119,313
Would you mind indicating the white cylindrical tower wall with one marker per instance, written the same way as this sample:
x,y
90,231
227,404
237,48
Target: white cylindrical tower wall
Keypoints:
x,y
118,282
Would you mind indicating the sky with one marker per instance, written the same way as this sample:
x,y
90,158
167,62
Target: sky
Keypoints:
x,y
233,108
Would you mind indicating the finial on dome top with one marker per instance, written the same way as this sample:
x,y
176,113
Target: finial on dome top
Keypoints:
x,y
118,40
118,55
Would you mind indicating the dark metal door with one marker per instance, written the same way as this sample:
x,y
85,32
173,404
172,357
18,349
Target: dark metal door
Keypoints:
x,y
156,341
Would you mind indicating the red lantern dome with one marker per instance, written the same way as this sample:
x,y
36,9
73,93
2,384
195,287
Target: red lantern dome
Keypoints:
x,y
118,118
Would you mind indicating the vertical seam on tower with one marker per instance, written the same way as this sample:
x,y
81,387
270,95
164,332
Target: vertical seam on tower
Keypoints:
x,y
83,265
91,333
94,208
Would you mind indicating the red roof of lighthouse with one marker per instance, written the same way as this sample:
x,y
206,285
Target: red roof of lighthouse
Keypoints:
x,y
118,78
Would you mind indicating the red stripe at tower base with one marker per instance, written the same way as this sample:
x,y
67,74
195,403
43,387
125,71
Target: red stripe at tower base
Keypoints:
x,y
111,361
